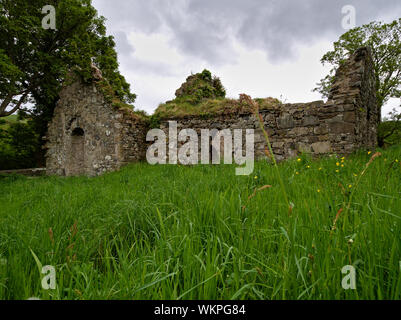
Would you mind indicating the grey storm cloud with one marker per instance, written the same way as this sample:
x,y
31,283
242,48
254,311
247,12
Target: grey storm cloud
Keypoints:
x,y
205,28
131,62
123,45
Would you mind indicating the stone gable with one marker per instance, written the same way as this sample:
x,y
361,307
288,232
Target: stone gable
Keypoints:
x,y
88,136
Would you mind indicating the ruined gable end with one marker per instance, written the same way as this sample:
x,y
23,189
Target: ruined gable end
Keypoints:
x,y
88,136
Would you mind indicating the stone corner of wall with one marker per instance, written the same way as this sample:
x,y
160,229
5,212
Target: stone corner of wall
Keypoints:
x,y
354,92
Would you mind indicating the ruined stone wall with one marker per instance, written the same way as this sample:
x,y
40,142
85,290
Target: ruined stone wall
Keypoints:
x,y
347,122
88,136
354,93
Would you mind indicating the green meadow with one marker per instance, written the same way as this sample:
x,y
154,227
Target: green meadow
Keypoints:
x,y
201,232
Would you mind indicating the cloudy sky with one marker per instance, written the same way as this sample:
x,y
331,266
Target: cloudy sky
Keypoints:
x,y
259,47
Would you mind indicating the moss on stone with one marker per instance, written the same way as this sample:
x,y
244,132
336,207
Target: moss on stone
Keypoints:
x,y
110,97
199,87
212,107
203,95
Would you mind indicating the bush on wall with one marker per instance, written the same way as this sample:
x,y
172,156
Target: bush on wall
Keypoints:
x,y
199,87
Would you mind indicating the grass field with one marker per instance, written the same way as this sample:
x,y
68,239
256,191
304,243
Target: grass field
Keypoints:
x,y
175,232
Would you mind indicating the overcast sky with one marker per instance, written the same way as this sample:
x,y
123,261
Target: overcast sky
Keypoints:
x,y
259,47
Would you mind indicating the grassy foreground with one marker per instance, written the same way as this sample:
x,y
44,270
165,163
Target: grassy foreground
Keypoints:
x,y
175,232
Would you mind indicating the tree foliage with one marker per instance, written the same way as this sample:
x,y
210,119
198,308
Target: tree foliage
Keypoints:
x,y
34,61
19,146
385,42
389,131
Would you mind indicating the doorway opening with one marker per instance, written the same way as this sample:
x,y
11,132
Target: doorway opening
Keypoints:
x,y
77,155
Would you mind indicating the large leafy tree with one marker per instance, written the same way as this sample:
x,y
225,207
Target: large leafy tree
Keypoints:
x,y
34,61
385,42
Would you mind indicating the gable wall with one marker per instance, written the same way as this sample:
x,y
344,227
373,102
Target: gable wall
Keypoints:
x,y
111,137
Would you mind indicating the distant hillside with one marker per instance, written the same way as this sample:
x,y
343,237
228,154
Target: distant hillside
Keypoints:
x,y
6,121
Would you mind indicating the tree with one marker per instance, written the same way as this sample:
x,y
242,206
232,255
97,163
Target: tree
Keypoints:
x,y
389,131
34,61
19,147
385,42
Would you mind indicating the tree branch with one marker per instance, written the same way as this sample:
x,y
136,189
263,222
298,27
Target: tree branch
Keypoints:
x,y
17,106
5,103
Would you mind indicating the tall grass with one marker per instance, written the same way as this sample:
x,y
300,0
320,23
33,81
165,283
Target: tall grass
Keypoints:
x,y
201,232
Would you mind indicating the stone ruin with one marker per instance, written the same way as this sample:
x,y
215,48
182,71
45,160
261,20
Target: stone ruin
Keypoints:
x,y
89,136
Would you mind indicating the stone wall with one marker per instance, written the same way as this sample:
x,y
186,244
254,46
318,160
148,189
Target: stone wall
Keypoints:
x,y
346,123
88,136
354,93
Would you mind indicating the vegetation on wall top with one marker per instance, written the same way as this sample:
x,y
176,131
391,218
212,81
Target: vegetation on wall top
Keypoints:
x,y
204,95
213,107
199,87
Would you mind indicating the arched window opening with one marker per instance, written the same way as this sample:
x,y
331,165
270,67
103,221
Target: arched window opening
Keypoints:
x,y
78,132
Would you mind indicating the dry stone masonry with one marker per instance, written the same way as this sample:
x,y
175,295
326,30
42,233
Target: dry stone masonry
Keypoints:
x,y
346,123
89,136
